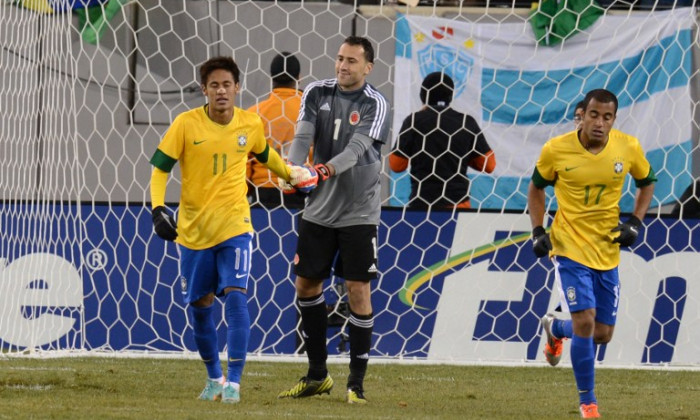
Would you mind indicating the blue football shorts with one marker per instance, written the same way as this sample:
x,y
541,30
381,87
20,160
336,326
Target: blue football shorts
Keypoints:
x,y
582,287
214,269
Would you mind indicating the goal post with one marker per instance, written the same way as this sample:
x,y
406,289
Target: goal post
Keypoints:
x,y
87,94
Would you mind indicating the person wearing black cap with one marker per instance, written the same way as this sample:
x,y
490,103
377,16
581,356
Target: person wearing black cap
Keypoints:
x,y
279,114
440,143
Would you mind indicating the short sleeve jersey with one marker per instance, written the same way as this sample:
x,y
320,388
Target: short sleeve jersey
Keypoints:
x,y
213,203
588,188
439,146
354,196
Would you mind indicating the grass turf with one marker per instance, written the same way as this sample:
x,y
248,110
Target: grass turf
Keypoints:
x,y
123,388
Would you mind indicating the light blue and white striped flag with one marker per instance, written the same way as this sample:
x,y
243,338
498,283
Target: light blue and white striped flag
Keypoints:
x,y
522,94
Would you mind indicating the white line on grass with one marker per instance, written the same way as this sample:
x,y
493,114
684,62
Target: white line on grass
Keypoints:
x,y
30,387
36,369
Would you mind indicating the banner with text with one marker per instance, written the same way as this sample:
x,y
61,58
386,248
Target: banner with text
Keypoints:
x,y
453,287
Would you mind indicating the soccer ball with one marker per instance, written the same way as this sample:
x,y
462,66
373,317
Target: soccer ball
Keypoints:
x,y
304,178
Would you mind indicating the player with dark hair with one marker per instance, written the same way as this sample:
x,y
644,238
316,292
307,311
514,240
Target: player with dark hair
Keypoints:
x,y
440,143
213,229
279,113
347,120
587,168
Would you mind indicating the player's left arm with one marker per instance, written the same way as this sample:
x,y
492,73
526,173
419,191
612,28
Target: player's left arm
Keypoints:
x,y
629,230
642,200
291,177
267,155
358,145
644,179
270,158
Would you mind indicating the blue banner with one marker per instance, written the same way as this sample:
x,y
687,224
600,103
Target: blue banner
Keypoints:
x,y
453,287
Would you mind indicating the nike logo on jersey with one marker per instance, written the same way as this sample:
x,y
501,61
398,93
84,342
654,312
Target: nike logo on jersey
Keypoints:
x,y
240,276
570,168
198,142
325,107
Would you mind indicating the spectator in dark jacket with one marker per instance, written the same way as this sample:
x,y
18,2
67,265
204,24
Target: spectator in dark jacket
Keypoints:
x,y
440,143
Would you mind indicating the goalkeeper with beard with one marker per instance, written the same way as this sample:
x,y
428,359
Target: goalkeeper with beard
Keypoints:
x,y
213,230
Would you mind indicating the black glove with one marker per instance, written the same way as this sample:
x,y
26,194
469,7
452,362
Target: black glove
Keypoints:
x,y
541,244
323,172
164,224
628,231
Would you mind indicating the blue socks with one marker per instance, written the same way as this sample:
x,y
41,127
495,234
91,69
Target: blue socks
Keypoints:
x,y
583,359
562,328
206,340
238,333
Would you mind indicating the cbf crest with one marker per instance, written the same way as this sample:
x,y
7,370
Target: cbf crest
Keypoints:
x,y
456,63
571,294
618,166
242,140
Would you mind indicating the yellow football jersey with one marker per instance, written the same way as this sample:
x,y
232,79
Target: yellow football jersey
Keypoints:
x,y
588,189
213,202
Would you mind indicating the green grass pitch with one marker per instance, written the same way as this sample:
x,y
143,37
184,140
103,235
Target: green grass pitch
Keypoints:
x,y
128,388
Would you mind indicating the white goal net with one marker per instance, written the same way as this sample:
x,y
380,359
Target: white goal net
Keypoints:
x,y
87,93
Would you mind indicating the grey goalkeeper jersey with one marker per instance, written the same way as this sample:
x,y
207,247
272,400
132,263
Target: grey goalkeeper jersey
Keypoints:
x,y
352,197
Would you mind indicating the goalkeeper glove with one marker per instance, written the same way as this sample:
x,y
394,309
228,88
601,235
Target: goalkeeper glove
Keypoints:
x,y
286,187
303,178
164,224
541,244
323,172
628,231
